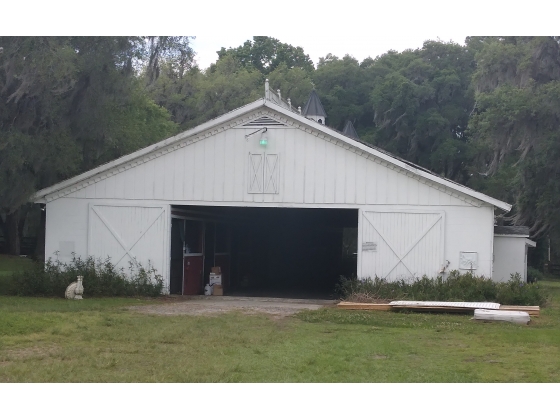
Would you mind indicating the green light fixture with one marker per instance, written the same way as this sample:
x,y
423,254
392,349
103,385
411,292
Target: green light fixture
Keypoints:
x,y
263,142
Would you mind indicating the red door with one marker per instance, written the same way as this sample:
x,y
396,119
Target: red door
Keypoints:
x,y
193,266
193,275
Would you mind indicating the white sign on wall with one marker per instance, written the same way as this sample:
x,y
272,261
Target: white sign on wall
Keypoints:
x,y
369,246
468,260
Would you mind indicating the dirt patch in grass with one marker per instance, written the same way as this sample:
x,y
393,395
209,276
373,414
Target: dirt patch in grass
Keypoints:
x,y
25,353
276,307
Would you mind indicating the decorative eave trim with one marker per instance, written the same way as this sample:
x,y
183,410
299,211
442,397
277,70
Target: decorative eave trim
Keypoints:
x,y
231,119
246,114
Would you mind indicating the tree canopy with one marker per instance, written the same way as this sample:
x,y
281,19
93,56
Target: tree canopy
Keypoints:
x,y
485,114
68,104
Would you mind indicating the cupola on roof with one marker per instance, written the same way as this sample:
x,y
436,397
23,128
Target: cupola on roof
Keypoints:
x,y
314,106
350,131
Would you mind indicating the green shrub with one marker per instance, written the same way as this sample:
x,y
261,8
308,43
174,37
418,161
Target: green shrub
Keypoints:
x,y
534,275
457,287
101,278
517,292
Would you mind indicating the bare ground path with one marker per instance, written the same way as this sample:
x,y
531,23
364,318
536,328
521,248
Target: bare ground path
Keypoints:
x,y
210,305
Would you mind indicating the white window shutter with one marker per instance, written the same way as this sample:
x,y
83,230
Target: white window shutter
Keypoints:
x,y
255,173
271,174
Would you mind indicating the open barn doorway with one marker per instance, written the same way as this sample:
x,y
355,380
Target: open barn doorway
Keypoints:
x,y
273,252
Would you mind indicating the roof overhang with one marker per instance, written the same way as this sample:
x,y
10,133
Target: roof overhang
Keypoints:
x,y
41,196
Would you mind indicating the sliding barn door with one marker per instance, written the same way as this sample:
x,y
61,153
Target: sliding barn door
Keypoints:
x,y
129,234
402,245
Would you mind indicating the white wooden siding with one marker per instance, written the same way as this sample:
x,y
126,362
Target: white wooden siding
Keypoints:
x,y
311,170
129,234
408,244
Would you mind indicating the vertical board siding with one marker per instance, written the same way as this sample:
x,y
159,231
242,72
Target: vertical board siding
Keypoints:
x,y
340,174
125,233
219,167
309,168
299,166
361,171
329,172
319,162
350,178
199,156
210,168
229,165
312,170
409,244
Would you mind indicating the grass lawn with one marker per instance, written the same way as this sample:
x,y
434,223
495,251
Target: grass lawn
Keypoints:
x,y
99,340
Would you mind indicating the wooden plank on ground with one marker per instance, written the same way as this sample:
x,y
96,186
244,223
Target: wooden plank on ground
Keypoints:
x,y
531,310
364,306
430,308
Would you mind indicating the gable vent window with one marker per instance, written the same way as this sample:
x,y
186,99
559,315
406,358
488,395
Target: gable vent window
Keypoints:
x,y
264,122
263,173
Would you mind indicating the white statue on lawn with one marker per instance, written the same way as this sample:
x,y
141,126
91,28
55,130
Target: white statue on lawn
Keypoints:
x,y
75,290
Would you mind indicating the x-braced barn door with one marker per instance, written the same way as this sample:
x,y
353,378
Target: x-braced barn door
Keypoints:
x,y
129,235
401,244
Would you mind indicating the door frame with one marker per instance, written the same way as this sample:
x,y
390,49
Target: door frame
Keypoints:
x,y
191,254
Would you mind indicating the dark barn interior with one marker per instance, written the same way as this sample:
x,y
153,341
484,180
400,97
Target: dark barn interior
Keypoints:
x,y
275,252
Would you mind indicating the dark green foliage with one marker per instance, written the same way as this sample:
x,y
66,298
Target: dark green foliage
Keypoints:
x,y
516,129
68,104
101,278
422,100
516,292
457,287
344,88
534,275
265,54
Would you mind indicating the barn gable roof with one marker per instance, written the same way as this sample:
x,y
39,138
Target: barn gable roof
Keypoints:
x,y
276,107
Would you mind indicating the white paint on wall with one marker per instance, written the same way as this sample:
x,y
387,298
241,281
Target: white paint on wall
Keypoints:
x,y
411,243
510,257
296,167
417,224
123,230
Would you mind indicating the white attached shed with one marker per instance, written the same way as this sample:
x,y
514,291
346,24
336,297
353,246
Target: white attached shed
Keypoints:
x,y
275,199
511,244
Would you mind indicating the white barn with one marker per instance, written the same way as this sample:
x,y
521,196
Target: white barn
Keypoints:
x,y
277,200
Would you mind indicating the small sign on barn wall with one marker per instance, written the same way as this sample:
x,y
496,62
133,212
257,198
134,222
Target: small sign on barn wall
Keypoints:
x,y
369,246
468,261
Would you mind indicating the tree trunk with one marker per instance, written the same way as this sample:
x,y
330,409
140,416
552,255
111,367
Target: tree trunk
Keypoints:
x,y
12,230
24,210
40,247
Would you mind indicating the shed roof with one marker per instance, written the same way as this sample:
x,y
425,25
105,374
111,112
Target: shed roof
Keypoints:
x,y
41,196
511,230
314,106
350,131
